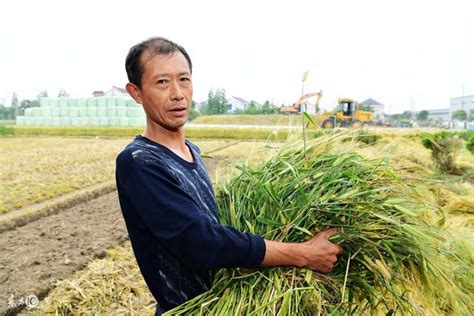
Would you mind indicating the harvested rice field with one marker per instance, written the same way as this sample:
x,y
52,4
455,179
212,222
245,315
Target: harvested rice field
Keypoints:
x,y
35,169
408,229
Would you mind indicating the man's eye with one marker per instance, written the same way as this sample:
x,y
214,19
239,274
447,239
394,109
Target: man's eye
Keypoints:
x,y
161,81
185,79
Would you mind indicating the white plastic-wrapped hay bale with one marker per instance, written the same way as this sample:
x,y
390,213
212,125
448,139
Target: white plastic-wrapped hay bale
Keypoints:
x,y
73,111
91,111
63,102
44,101
29,112
45,111
47,121
63,111
136,121
37,120
56,111
102,111
104,121
112,111
114,121
65,121
36,112
20,120
83,111
101,101
56,121
71,102
29,120
111,101
53,102
75,121
84,121
123,121
121,101
135,112
92,102
131,103
94,121
82,102
122,111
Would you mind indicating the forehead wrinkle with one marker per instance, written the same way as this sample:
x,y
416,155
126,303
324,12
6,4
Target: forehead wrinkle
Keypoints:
x,y
148,55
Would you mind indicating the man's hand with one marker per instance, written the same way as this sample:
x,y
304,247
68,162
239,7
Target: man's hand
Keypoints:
x,y
317,254
321,254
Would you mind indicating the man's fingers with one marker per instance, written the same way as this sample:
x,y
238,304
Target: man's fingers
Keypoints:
x,y
329,232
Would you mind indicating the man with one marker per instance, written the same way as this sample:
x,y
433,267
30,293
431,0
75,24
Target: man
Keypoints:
x,y
166,196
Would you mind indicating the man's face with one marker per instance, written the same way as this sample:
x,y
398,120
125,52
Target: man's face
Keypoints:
x,y
167,90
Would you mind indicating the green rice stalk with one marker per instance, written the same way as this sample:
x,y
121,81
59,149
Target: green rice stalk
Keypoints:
x,y
395,261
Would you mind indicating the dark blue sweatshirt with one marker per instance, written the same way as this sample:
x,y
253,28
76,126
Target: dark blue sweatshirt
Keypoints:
x,y
170,212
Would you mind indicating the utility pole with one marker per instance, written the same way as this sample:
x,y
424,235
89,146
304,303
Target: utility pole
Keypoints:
x,y
305,76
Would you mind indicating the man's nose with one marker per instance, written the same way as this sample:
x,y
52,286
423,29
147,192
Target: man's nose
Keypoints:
x,y
176,92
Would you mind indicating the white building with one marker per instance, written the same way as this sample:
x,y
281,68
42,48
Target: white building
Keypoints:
x,y
236,103
441,115
378,108
465,103
116,91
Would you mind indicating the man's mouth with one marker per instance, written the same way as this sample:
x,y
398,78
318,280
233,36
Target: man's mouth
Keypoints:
x,y
178,110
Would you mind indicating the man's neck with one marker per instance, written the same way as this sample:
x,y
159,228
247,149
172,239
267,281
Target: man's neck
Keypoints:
x,y
173,140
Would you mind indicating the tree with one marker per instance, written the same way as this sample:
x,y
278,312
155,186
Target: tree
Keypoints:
x,y
193,113
216,102
423,115
7,113
460,115
15,103
25,104
367,108
42,94
269,108
251,108
63,94
407,114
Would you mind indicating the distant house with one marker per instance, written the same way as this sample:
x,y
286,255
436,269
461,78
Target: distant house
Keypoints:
x,y
112,92
116,91
98,93
236,103
378,108
200,106
441,115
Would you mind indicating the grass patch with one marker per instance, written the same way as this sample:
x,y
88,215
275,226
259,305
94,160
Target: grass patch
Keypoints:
x,y
239,119
36,169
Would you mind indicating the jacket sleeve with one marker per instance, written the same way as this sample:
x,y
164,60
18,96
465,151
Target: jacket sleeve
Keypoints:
x,y
176,220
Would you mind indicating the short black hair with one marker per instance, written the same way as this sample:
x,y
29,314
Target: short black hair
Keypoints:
x,y
155,46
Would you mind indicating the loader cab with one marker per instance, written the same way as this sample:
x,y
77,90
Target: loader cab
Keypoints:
x,y
347,107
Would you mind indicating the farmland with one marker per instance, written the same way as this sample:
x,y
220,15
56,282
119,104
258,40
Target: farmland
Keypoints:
x,y
107,280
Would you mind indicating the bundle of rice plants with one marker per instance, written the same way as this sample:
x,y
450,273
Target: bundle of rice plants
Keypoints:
x,y
444,150
395,260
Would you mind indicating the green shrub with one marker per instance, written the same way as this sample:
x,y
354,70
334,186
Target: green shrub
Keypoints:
x,y
470,144
444,148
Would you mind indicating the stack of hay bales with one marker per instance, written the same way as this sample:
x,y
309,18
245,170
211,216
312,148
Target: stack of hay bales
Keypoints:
x,y
97,111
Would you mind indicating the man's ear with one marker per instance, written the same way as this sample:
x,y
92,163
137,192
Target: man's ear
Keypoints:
x,y
134,92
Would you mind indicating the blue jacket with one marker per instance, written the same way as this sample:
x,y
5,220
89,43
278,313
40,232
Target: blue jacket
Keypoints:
x,y
170,212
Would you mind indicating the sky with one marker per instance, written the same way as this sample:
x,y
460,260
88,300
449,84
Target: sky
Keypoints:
x,y
408,55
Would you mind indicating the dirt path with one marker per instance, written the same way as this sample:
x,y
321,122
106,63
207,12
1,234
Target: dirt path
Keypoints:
x,y
39,253
51,248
